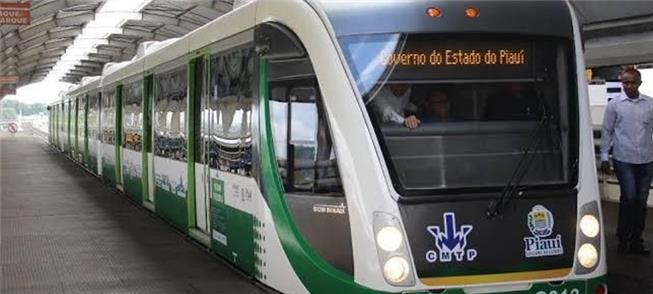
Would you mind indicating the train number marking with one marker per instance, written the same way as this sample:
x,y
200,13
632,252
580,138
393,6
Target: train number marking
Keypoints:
x,y
565,291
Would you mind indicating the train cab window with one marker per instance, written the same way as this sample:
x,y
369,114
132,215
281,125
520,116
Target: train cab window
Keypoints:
x,y
302,141
448,109
170,114
230,103
132,117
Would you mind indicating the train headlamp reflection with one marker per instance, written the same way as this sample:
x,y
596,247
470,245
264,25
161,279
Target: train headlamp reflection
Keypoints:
x,y
589,225
389,239
587,255
396,269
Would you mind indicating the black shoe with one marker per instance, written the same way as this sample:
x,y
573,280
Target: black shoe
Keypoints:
x,y
640,249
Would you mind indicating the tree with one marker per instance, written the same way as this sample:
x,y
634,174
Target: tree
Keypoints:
x,y
7,113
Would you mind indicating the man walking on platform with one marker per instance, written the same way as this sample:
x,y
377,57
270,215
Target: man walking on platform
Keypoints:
x,y
628,128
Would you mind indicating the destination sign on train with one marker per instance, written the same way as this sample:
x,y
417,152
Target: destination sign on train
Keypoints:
x,y
459,57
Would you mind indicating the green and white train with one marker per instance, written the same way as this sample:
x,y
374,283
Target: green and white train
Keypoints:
x,y
277,136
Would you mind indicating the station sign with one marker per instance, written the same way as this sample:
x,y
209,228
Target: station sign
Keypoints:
x,y
12,128
8,80
15,13
8,91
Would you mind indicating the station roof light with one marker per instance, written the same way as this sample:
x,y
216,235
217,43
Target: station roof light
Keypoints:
x,y
109,19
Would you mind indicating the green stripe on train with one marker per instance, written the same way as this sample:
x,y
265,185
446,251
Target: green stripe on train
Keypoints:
x,y
133,187
109,173
171,207
92,163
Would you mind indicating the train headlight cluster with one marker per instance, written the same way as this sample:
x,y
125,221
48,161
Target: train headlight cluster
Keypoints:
x,y
587,255
588,252
392,250
389,239
589,225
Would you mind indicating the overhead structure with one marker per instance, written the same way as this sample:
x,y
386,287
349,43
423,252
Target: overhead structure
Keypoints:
x,y
616,32
32,51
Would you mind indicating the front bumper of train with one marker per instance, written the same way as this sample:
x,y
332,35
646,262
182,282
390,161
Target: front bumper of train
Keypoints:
x,y
589,286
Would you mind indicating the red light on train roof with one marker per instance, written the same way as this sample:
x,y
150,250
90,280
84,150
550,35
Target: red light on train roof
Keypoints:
x,y
472,12
433,12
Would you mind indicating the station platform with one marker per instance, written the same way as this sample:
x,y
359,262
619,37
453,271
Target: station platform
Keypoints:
x,y
65,232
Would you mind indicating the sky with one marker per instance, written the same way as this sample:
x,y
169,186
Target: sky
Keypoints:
x,y
48,92
44,92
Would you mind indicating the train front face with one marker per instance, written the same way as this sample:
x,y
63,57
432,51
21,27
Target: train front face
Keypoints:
x,y
477,112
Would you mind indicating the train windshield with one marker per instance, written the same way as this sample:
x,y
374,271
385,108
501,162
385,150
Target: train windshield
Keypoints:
x,y
466,111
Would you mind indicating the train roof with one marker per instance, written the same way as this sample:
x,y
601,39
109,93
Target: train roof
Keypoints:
x,y
550,18
354,18
159,56
86,84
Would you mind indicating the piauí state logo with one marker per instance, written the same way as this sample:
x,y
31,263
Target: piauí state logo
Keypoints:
x,y
450,241
540,223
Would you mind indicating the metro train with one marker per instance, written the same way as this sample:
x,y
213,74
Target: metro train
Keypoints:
x,y
371,146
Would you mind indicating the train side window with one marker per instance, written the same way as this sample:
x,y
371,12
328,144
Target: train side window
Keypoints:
x,y
132,116
92,117
170,114
108,123
231,100
305,154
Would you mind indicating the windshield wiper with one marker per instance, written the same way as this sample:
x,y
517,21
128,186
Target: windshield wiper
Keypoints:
x,y
511,188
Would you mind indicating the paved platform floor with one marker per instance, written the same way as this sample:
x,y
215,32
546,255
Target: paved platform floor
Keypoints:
x,y
627,274
65,232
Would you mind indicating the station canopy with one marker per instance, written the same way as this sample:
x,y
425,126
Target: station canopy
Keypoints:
x,y
69,39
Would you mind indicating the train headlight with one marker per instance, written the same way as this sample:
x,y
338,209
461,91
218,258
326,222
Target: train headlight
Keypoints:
x,y
589,225
587,255
396,269
389,239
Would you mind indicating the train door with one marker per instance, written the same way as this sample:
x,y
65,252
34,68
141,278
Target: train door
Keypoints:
x,y
202,132
73,126
100,121
93,121
62,127
68,131
148,110
81,129
132,148
231,185
302,142
170,144
86,135
117,133
59,125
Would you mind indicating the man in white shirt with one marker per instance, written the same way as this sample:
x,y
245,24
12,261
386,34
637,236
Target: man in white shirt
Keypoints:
x,y
392,102
628,129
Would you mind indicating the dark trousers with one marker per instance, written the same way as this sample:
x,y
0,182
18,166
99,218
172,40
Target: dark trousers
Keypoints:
x,y
634,183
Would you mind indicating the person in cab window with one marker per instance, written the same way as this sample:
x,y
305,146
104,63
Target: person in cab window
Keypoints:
x,y
514,102
393,102
628,129
437,110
